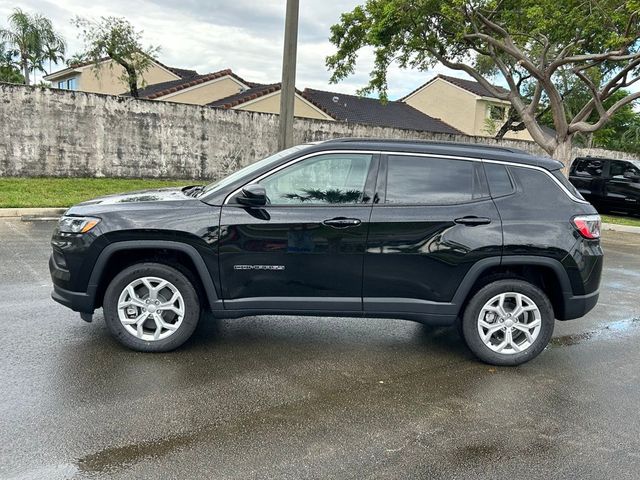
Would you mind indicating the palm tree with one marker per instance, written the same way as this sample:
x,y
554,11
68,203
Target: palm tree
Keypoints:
x,y
32,35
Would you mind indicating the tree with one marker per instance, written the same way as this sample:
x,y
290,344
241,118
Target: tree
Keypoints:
x,y
117,39
34,38
532,44
9,71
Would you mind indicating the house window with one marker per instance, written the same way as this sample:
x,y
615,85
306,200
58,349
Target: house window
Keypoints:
x,y
69,84
497,112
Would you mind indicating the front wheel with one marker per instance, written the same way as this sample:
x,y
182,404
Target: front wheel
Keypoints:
x,y
508,322
151,307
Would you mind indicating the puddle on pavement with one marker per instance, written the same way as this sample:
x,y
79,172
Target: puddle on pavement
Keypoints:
x,y
611,329
114,458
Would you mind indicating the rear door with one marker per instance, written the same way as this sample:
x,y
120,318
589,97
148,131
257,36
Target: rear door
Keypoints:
x,y
304,249
433,221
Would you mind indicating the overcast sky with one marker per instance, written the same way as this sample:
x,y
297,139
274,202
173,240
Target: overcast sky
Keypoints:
x,y
244,35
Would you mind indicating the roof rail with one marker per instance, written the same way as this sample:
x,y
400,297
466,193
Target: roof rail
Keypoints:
x,y
424,142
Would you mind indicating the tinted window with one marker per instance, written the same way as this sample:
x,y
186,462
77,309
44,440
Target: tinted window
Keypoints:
x,y
588,167
619,168
327,179
499,180
566,183
431,181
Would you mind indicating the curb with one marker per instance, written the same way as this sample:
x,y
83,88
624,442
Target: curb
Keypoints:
x,y
32,213
612,227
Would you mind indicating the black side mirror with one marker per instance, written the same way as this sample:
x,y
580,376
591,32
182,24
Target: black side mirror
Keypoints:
x,y
253,195
631,176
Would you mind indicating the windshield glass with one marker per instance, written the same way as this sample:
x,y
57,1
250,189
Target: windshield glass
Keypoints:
x,y
251,168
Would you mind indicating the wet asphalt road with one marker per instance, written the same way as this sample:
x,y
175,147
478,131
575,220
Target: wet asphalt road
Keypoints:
x,y
311,398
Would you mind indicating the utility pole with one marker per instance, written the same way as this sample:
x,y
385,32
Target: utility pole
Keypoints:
x,y
288,87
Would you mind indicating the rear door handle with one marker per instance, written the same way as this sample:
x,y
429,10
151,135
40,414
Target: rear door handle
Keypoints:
x,y
473,221
342,222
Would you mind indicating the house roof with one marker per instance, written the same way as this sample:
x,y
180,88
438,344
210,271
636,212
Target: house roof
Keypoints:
x,y
256,90
181,72
371,111
469,85
165,88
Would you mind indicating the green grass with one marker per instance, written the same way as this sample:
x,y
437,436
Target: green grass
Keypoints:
x,y
64,192
620,220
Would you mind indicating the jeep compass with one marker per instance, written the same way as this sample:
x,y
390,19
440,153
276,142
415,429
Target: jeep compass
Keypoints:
x,y
492,240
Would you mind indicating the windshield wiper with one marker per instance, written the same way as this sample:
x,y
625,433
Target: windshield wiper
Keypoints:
x,y
193,190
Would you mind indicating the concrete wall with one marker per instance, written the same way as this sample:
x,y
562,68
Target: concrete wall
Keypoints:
x,y
49,132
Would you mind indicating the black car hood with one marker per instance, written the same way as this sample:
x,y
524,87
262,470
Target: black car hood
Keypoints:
x,y
156,195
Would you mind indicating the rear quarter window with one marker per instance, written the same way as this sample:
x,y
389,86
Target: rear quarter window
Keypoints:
x,y
566,183
500,183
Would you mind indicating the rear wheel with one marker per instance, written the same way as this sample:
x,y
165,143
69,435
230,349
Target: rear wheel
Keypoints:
x,y
151,307
508,322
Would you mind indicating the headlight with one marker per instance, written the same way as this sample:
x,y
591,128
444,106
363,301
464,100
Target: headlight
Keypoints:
x,y
77,224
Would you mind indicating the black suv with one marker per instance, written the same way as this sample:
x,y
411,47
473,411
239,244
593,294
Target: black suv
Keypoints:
x,y
608,184
491,239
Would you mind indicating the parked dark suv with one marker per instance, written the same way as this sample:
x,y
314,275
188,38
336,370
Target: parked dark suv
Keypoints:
x,y
492,239
608,184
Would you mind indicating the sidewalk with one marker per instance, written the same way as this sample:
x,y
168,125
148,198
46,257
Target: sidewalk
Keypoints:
x,y
32,213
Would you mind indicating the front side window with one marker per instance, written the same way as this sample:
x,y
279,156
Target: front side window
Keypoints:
x,y
432,181
328,179
588,167
619,168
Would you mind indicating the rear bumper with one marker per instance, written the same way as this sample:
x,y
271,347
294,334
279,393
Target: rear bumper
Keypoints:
x,y
576,306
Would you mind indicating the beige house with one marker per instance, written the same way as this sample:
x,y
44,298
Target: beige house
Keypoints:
x,y
463,104
106,77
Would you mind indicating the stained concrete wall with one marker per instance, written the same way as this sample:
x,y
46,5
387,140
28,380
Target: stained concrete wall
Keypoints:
x,y
49,132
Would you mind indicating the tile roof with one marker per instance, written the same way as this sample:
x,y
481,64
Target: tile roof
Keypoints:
x,y
469,85
371,111
257,90
165,88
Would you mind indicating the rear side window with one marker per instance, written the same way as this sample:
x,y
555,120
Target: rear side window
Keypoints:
x,y
499,181
432,181
587,167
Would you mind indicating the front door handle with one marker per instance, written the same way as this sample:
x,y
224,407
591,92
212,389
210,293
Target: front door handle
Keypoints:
x,y
342,222
473,221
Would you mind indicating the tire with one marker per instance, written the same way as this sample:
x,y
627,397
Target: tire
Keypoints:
x,y
147,324
486,303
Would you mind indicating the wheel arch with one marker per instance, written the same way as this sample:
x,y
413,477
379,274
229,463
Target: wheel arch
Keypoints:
x,y
100,274
546,273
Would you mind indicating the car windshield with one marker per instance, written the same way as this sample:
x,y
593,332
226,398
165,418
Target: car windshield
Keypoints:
x,y
212,187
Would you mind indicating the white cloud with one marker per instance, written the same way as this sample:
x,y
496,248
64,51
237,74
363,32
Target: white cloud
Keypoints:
x,y
244,35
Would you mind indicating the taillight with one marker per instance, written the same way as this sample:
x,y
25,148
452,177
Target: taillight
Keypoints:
x,y
588,225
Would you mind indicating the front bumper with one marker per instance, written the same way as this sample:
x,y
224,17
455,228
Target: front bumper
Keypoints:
x,y
82,302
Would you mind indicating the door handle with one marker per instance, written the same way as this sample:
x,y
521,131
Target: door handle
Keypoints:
x,y
342,222
473,221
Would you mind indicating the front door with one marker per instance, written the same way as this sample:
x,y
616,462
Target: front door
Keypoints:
x,y
623,188
304,249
